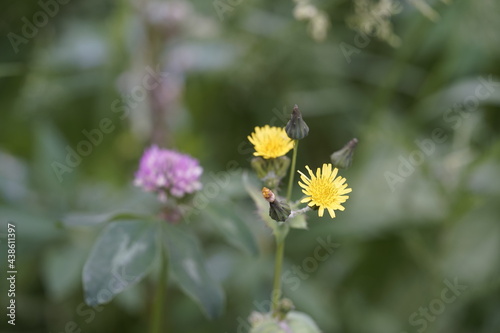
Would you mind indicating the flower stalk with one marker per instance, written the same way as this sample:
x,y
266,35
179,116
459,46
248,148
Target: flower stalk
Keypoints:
x,y
301,211
280,242
292,171
276,294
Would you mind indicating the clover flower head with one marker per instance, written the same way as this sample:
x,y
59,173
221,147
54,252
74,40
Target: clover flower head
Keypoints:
x,y
168,172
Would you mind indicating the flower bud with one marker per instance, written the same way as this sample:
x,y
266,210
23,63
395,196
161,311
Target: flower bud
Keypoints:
x,y
279,166
296,128
259,165
285,305
271,171
343,158
278,211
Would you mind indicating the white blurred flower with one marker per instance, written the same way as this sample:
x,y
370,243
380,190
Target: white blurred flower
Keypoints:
x,y
374,19
318,19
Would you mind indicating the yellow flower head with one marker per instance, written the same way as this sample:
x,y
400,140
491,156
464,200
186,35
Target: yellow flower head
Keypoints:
x,y
270,142
324,190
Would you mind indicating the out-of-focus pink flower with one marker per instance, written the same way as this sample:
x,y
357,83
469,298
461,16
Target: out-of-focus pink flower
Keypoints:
x,y
168,172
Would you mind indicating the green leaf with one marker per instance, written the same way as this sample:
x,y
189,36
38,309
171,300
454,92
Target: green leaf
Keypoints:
x,y
121,257
135,204
33,225
261,204
91,219
298,222
86,219
234,229
62,270
187,265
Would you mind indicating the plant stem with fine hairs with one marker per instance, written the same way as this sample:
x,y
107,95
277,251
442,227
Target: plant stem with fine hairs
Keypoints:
x,y
292,171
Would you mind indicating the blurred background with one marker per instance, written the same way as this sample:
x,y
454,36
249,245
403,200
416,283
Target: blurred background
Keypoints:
x,y
417,82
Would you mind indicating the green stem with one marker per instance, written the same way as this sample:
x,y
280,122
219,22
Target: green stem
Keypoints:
x,y
280,240
280,247
292,171
158,306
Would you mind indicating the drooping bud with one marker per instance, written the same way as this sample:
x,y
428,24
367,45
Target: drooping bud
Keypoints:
x,y
296,128
343,158
278,210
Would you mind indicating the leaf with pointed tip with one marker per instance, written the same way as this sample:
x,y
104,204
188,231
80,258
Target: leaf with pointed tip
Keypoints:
x,y
187,265
298,222
121,257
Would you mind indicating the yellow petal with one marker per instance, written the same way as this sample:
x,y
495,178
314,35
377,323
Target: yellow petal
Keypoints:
x,y
334,173
326,170
310,172
321,210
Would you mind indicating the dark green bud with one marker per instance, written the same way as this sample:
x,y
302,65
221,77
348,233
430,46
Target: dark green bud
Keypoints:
x,y
343,158
296,128
278,210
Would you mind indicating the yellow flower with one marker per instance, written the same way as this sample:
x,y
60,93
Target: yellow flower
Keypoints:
x,y
324,190
270,142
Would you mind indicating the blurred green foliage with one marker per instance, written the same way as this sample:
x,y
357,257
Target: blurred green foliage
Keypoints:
x,y
400,244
